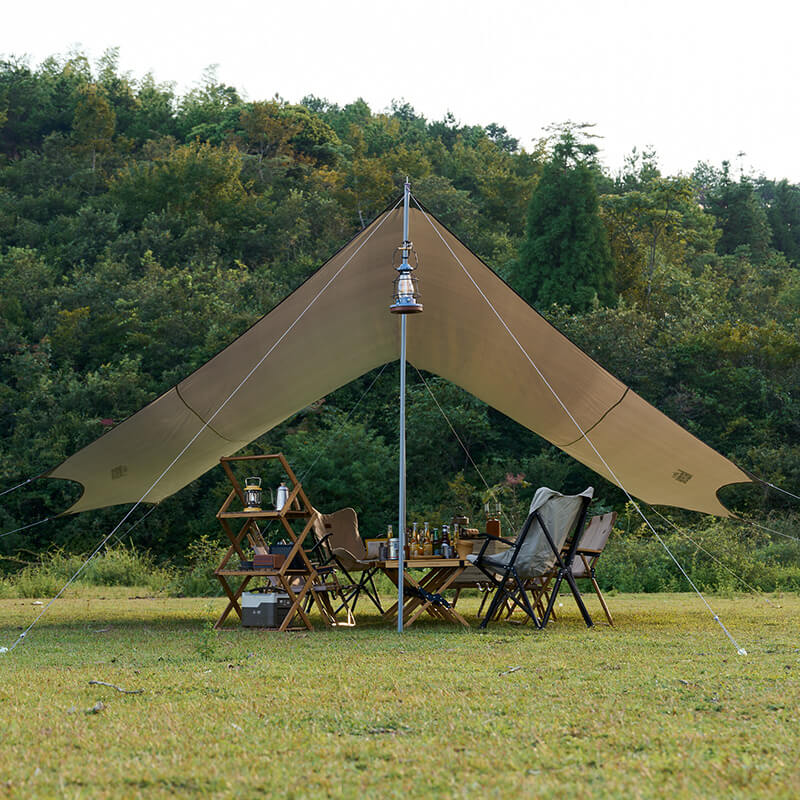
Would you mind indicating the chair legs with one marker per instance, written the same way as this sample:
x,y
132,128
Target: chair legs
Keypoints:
x,y
602,601
510,592
364,584
566,574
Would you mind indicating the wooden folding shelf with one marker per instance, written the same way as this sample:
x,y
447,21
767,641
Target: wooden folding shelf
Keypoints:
x,y
296,507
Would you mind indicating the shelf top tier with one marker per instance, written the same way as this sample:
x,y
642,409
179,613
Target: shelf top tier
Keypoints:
x,y
294,514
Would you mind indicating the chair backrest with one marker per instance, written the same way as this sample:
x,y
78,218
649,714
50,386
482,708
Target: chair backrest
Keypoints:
x,y
343,527
561,514
593,542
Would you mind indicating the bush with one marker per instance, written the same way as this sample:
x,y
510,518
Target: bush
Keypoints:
x,y
118,565
719,555
203,556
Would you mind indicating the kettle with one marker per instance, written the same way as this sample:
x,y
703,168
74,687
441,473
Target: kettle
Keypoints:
x,y
281,496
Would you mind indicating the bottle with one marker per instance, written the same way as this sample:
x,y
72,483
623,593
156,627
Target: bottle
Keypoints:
x,y
446,550
427,547
437,543
493,518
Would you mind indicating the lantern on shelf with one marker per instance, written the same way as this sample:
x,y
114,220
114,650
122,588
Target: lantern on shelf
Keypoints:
x,y
252,494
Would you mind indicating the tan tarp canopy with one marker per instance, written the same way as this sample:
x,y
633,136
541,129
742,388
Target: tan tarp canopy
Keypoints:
x,y
339,327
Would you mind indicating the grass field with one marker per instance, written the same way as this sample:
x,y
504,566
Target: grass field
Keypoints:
x,y
660,706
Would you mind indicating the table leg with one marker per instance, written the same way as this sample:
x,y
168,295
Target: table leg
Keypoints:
x,y
435,582
440,580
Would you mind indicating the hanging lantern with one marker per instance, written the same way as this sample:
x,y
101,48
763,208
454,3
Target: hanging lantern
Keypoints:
x,y
252,494
406,287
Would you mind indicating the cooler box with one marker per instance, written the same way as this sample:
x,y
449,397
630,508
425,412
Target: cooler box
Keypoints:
x,y
264,609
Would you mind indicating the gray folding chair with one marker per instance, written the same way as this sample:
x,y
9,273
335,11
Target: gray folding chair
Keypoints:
x,y
553,520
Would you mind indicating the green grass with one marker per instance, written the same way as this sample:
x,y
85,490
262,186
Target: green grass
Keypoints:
x,y
660,706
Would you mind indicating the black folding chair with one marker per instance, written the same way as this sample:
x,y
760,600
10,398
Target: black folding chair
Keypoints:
x,y
554,519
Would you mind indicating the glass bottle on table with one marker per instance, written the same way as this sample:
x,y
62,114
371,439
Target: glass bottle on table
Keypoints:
x,y
427,545
493,518
385,548
437,543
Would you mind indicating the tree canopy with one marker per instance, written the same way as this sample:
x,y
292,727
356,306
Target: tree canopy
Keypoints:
x,y
141,231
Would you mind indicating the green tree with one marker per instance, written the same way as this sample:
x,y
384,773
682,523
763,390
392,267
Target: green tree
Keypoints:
x,y
94,123
782,201
655,229
566,258
266,133
740,216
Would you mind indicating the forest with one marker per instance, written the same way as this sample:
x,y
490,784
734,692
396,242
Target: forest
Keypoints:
x,y
141,231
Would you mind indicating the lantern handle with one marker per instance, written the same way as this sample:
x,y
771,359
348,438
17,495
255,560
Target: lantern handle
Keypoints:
x,y
411,251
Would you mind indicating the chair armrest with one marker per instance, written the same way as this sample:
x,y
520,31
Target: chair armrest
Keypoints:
x,y
316,550
502,539
489,537
321,541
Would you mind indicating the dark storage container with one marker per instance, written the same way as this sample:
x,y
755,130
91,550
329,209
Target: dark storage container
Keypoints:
x,y
264,610
284,550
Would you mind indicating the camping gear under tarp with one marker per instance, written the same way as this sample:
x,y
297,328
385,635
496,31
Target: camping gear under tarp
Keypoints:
x,y
336,326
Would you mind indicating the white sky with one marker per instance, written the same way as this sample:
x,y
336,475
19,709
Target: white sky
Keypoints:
x,y
702,80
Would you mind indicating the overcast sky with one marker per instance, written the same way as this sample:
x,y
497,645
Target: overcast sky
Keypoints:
x,y
703,80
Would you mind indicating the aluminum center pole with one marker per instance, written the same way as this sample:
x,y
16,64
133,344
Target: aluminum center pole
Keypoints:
x,y
401,521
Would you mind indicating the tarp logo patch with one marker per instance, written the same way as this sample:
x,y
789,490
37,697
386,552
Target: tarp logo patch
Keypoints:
x,y
682,476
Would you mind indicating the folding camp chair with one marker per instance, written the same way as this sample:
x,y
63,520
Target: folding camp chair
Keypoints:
x,y
591,546
553,519
338,532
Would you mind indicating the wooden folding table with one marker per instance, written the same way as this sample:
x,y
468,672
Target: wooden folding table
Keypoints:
x,y
441,572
